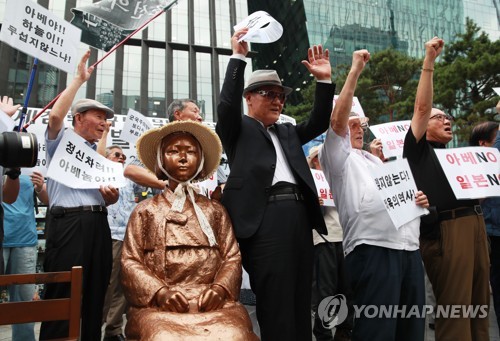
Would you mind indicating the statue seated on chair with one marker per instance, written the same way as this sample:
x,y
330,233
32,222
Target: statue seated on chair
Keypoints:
x,y
181,265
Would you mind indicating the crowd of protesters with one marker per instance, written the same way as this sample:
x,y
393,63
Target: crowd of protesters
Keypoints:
x,y
296,251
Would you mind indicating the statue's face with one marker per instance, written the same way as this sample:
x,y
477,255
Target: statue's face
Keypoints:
x,y
181,156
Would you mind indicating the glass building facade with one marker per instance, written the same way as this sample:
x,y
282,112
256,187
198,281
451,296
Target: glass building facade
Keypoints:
x,y
181,54
184,52
346,26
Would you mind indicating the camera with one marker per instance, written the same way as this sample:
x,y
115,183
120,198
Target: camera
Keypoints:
x,y
18,149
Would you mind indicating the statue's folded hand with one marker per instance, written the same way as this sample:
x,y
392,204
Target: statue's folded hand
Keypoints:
x,y
212,298
173,301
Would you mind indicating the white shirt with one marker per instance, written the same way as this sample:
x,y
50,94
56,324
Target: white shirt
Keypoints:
x,y
362,213
283,171
333,227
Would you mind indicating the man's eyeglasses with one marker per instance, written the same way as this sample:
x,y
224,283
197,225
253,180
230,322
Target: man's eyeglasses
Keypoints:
x,y
120,155
356,125
271,95
441,117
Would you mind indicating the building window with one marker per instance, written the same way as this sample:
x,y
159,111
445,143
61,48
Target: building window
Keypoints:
x,y
223,24
105,76
156,83
181,74
204,85
179,22
201,23
131,79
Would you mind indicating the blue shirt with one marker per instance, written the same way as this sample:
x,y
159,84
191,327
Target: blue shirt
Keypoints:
x,y
119,213
491,207
19,217
61,195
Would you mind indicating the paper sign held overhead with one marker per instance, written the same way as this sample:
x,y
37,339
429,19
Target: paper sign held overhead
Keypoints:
x,y
262,28
356,106
34,30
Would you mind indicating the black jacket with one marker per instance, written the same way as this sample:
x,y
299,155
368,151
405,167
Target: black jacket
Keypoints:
x,y
252,156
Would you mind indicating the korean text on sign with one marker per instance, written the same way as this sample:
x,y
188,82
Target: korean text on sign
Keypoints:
x,y
397,190
76,165
473,172
324,191
36,31
392,135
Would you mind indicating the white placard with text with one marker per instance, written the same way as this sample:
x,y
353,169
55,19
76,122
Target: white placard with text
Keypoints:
x,y
392,135
135,124
473,172
324,191
207,186
34,30
40,125
397,189
78,166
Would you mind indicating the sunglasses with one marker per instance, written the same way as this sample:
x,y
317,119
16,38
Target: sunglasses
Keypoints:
x,y
271,95
441,117
120,155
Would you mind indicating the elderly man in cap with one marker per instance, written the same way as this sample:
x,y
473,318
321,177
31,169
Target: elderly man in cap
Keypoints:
x,y
270,193
78,231
385,267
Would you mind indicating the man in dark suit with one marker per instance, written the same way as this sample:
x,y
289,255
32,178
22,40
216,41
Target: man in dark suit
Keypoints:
x,y
270,193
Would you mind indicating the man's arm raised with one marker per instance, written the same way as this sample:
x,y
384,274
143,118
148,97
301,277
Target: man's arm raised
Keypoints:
x,y
343,104
63,103
425,91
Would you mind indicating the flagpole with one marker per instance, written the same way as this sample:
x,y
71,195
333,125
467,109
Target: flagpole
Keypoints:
x,y
166,8
28,93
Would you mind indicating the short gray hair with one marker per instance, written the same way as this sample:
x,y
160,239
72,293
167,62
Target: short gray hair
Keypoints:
x,y
108,149
178,104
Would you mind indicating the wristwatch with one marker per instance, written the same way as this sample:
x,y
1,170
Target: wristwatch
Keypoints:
x,y
13,173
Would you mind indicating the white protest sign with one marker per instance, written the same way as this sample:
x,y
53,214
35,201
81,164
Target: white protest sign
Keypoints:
x,y
497,90
40,125
286,119
473,172
76,165
324,191
262,28
34,30
397,189
207,186
135,124
392,135
356,106
6,123
39,169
